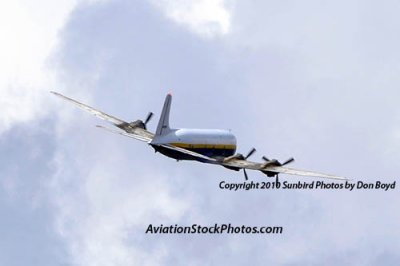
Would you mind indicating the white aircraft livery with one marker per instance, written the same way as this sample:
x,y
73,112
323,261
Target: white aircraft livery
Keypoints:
x,y
213,146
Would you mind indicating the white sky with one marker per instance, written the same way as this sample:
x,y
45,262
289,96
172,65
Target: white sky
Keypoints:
x,y
317,81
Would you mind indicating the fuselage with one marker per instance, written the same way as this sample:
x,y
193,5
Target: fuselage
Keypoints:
x,y
214,143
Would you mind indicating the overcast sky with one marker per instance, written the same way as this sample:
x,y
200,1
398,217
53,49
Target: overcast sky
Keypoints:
x,y
315,80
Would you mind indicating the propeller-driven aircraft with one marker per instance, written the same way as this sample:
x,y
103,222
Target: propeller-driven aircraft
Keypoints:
x,y
213,146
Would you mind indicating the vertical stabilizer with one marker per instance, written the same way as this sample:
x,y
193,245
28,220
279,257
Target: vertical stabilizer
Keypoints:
x,y
163,124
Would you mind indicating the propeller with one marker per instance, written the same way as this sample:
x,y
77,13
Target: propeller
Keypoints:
x,y
275,162
288,161
148,118
245,174
251,152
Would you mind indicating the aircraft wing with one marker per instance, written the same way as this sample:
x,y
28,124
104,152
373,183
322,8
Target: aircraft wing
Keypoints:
x,y
91,110
128,130
241,164
244,164
291,171
139,136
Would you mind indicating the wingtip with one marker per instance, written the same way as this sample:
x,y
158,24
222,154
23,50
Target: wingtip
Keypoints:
x,y
55,93
342,178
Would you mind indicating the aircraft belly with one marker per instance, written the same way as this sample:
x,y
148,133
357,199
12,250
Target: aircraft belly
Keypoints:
x,y
209,152
214,153
174,154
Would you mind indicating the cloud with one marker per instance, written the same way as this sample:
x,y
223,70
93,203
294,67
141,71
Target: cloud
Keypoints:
x,y
27,211
114,209
208,18
29,34
284,77
279,110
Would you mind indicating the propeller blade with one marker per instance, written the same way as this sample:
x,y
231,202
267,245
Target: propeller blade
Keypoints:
x,y
265,158
277,178
288,161
149,116
253,150
245,174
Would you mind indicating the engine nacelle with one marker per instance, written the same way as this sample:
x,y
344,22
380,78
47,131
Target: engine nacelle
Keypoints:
x,y
138,123
273,162
269,174
237,156
231,168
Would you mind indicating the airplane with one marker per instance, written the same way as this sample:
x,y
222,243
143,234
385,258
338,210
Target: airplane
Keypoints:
x,y
212,146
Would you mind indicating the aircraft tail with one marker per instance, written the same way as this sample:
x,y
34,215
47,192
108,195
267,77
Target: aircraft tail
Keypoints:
x,y
163,125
